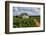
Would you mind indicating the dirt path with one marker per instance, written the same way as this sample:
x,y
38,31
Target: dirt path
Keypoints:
x,y
37,23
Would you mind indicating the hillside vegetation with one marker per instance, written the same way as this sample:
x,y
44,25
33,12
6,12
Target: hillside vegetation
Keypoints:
x,y
26,22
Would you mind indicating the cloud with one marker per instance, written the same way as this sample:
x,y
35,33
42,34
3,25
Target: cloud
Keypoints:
x,y
29,10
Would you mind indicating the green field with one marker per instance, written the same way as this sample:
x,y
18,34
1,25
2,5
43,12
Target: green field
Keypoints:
x,y
27,22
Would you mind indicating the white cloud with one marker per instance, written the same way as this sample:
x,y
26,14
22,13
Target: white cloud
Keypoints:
x,y
33,11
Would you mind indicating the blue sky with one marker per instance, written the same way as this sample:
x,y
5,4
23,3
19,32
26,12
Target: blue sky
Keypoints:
x,y
32,11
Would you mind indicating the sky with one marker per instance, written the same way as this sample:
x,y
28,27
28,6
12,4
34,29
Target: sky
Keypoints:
x,y
32,11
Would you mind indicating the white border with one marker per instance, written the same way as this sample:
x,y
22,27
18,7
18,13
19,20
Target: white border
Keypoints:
x,y
11,29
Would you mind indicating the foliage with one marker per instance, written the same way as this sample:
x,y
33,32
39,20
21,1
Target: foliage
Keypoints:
x,y
26,22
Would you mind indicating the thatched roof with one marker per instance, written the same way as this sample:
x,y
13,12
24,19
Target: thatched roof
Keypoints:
x,y
23,14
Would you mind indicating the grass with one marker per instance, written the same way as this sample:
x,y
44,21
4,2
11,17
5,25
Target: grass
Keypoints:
x,y
27,22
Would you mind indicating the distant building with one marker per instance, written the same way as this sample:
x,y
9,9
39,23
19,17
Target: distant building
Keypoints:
x,y
23,15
